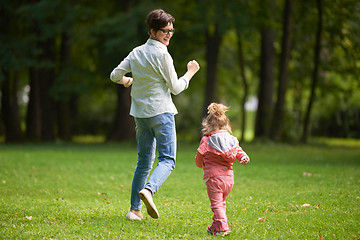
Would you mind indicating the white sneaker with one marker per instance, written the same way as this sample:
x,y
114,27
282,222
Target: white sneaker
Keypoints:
x,y
132,216
146,196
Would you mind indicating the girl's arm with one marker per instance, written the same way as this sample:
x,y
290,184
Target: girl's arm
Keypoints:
x,y
242,157
245,160
199,160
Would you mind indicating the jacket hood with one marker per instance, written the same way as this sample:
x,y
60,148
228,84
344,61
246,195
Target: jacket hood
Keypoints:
x,y
222,141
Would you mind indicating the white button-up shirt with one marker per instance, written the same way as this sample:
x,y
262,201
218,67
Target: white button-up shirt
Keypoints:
x,y
154,79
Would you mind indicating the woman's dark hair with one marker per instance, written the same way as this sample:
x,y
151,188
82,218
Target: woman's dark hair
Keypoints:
x,y
158,19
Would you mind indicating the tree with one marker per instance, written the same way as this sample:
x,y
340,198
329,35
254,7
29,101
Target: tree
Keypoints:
x,y
213,15
63,52
10,63
51,69
212,41
64,104
241,12
315,73
41,106
266,86
10,108
123,125
245,85
117,39
278,116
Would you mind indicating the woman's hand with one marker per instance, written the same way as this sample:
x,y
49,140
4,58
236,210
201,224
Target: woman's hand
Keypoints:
x,y
192,68
126,81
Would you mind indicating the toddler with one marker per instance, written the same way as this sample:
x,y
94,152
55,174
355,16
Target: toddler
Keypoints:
x,y
216,154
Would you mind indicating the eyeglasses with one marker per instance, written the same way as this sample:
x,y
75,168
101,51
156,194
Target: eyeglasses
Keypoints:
x,y
167,31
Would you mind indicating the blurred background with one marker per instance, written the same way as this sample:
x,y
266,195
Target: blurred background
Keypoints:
x,y
288,69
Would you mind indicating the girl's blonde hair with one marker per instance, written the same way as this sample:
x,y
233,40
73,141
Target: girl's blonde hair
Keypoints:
x,y
216,119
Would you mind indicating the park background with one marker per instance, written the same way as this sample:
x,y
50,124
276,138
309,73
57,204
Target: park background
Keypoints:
x,y
288,69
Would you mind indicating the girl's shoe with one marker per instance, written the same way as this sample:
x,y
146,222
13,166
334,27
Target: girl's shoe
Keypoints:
x,y
216,233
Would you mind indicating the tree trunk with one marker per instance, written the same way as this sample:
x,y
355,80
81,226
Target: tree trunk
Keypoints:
x,y
278,116
46,77
124,125
63,121
10,108
266,86
33,115
63,106
74,112
40,112
245,85
315,74
213,40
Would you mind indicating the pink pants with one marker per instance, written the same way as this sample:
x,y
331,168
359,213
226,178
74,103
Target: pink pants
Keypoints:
x,y
218,189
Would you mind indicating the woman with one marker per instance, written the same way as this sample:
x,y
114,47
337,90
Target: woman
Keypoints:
x,y
154,79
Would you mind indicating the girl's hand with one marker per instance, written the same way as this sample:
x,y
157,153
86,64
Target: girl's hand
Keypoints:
x,y
245,160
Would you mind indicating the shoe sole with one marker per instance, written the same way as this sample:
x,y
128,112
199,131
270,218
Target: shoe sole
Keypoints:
x,y
151,209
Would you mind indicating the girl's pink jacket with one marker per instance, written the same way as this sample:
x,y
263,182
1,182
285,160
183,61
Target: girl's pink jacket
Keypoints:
x,y
217,153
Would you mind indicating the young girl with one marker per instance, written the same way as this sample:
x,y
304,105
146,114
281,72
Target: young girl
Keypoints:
x,y
216,154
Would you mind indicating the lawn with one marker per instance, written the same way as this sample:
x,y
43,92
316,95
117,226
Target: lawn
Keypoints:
x,y
82,191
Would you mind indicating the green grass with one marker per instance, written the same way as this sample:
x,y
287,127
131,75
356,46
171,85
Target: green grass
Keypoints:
x,y
82,191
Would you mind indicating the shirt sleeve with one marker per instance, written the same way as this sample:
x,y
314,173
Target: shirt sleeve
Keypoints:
x,y
167,69
240,154
199,160
118,72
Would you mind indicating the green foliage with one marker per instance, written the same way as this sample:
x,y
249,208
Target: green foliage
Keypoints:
x,y
103,33
63,191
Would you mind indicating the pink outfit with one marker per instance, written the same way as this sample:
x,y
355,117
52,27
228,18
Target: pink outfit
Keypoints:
x,y
216,154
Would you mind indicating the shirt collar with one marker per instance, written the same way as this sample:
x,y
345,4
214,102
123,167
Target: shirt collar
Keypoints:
x,y
156,44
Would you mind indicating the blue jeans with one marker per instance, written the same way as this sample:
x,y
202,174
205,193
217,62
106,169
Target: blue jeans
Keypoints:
x,y
158,131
